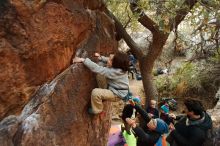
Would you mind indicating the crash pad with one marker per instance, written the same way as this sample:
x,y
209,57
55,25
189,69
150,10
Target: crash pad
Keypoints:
x,y
117,138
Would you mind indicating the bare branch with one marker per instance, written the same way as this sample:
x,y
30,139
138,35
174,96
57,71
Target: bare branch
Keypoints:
x,y
123,33
129,18
181,13
143,18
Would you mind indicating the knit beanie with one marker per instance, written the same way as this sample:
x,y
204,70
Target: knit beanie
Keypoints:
x,y
165,108
162,127
137,99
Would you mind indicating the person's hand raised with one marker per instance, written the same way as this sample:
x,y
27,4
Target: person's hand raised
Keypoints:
x,y
171,127
150,115
131,122
172,115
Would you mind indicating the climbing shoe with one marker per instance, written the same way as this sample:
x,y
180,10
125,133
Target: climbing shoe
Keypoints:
x,y
90,111
102,115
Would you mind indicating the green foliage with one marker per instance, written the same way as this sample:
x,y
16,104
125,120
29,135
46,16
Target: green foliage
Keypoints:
x,y
191,74
161,12
194,75
121,9
216,57
201,34
166,83
164,12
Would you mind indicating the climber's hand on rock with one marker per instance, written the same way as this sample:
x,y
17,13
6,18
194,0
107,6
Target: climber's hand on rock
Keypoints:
x,y
97,55
78,60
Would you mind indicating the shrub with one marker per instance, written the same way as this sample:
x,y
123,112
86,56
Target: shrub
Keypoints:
x,y
191,75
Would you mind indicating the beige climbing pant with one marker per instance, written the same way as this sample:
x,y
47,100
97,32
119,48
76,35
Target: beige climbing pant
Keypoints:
x,y
98,96
101,81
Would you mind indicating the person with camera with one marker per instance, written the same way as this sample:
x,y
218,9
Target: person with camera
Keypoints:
x,y
190,129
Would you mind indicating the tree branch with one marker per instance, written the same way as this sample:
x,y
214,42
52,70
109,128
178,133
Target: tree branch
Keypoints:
x,y
143,18
129,18
123,34
181,13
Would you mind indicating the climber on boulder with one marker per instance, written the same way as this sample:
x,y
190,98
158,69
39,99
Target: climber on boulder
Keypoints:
x,y
117,78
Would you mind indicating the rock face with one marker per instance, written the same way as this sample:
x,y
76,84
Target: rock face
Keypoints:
x,y
214,134
37,42
57,115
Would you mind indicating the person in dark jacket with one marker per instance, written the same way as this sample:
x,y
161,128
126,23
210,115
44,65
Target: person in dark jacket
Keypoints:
x,y
164,115
127,112
152,110
149,134
132,65
190,130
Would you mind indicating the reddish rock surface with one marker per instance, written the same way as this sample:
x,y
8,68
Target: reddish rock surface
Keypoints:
x,y
37,42
57,115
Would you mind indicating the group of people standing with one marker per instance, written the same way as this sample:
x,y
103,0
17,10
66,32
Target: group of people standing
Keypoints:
x,y
182,130
185,130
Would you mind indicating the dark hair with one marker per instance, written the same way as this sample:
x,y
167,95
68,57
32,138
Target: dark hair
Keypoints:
x,y
120,60
127,112
195,106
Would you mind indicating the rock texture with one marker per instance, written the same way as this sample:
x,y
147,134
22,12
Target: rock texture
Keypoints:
x,y
214,134
37,42
57,115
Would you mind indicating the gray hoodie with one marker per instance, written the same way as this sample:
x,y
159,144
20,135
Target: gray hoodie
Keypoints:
x,y
117,79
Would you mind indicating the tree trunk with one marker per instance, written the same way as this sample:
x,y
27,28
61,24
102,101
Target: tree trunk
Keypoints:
x,y
147,64
156,47
147,79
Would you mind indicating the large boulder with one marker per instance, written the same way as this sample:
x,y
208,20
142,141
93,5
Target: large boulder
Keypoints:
x,y
38,40
57,115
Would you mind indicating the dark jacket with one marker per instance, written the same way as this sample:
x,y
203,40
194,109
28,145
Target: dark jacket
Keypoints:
x,y
153,111
145,136
166,118
190,132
